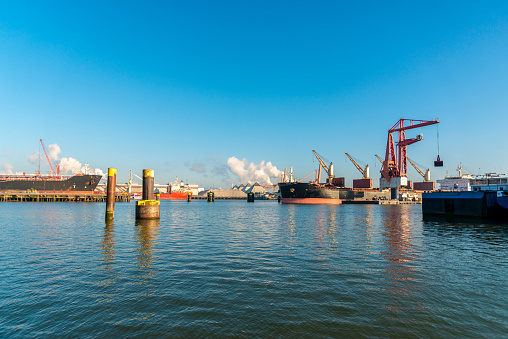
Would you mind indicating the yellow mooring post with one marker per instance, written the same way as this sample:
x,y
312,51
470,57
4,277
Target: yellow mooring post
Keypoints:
x,y
110,195
148,208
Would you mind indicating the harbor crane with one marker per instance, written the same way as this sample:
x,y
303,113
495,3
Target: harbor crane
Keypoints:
x,y
363,171
379,158
395,163
426,175
52,170
328,168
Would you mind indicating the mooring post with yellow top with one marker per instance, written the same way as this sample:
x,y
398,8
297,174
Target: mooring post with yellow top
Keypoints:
x,y
110,195
148,208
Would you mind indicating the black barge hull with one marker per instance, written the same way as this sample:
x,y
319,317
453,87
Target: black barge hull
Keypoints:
x,y
463,203
76,183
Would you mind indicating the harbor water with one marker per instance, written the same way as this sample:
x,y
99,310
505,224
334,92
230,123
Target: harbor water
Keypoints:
x,y
262,269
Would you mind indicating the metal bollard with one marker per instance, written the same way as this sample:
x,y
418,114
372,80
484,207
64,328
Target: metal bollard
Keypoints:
x,y
210,197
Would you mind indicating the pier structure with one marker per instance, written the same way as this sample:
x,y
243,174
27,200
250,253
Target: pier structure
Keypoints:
x,y
60,197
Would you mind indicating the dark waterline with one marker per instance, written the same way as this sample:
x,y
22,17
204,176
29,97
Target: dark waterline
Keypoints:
x,y
249,270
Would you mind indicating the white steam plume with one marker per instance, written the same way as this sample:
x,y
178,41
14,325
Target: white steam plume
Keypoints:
x,y
66,164
74,166
33,158
53,152
251,172
6,168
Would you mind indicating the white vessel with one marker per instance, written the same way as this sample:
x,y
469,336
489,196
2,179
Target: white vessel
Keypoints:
x,y
462,182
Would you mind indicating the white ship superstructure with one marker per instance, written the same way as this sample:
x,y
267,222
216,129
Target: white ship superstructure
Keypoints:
x,y
462,182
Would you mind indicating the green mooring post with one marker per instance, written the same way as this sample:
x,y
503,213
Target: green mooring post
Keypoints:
x,y
110,194
148,208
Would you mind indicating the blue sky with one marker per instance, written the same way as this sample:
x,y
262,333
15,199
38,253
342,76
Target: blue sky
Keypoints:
x,y
180,87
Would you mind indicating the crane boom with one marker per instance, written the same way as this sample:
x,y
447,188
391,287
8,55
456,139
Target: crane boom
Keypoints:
x,y
426,175
47,157
416,167
356,164
381,160
328,169
321,161
301,180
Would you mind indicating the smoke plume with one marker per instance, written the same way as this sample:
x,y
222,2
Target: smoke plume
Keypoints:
x,y
67,165
251,172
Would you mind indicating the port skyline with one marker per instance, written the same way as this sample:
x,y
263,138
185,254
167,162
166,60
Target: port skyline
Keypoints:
x,y
183,88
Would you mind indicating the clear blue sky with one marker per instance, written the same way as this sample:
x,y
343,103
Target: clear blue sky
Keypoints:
x,y
179,87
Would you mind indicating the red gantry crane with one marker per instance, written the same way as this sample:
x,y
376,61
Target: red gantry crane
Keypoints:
x,y
395,163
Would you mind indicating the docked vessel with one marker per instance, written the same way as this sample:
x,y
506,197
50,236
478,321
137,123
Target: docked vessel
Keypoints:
x,y
487,198
332,192
41,183
173,196
176,191
313,193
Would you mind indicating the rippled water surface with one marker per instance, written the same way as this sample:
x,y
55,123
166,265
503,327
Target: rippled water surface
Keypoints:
x,y
233,268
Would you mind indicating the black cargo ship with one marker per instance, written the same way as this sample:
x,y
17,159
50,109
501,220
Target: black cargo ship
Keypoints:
x,y
313,193
23,183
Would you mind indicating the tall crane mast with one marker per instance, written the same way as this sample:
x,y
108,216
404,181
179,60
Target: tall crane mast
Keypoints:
x,y
426,175
363,171
52,170
328,169
395,163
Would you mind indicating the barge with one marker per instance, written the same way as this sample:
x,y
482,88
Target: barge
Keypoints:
x,y
488,198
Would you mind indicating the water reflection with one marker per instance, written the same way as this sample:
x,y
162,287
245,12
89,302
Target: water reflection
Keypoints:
x,y
367,232
146,235
290,224
108,259
400,254
108,245
325,230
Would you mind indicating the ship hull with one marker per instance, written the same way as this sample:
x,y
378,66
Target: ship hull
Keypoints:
x,y
307,193
464,203
173,196
311,201
502,199
76,183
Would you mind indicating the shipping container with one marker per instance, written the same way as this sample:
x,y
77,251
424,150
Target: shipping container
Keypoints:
x,y
424,186
362,183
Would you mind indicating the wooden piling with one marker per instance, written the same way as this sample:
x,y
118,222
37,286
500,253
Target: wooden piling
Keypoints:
x,y
110,194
